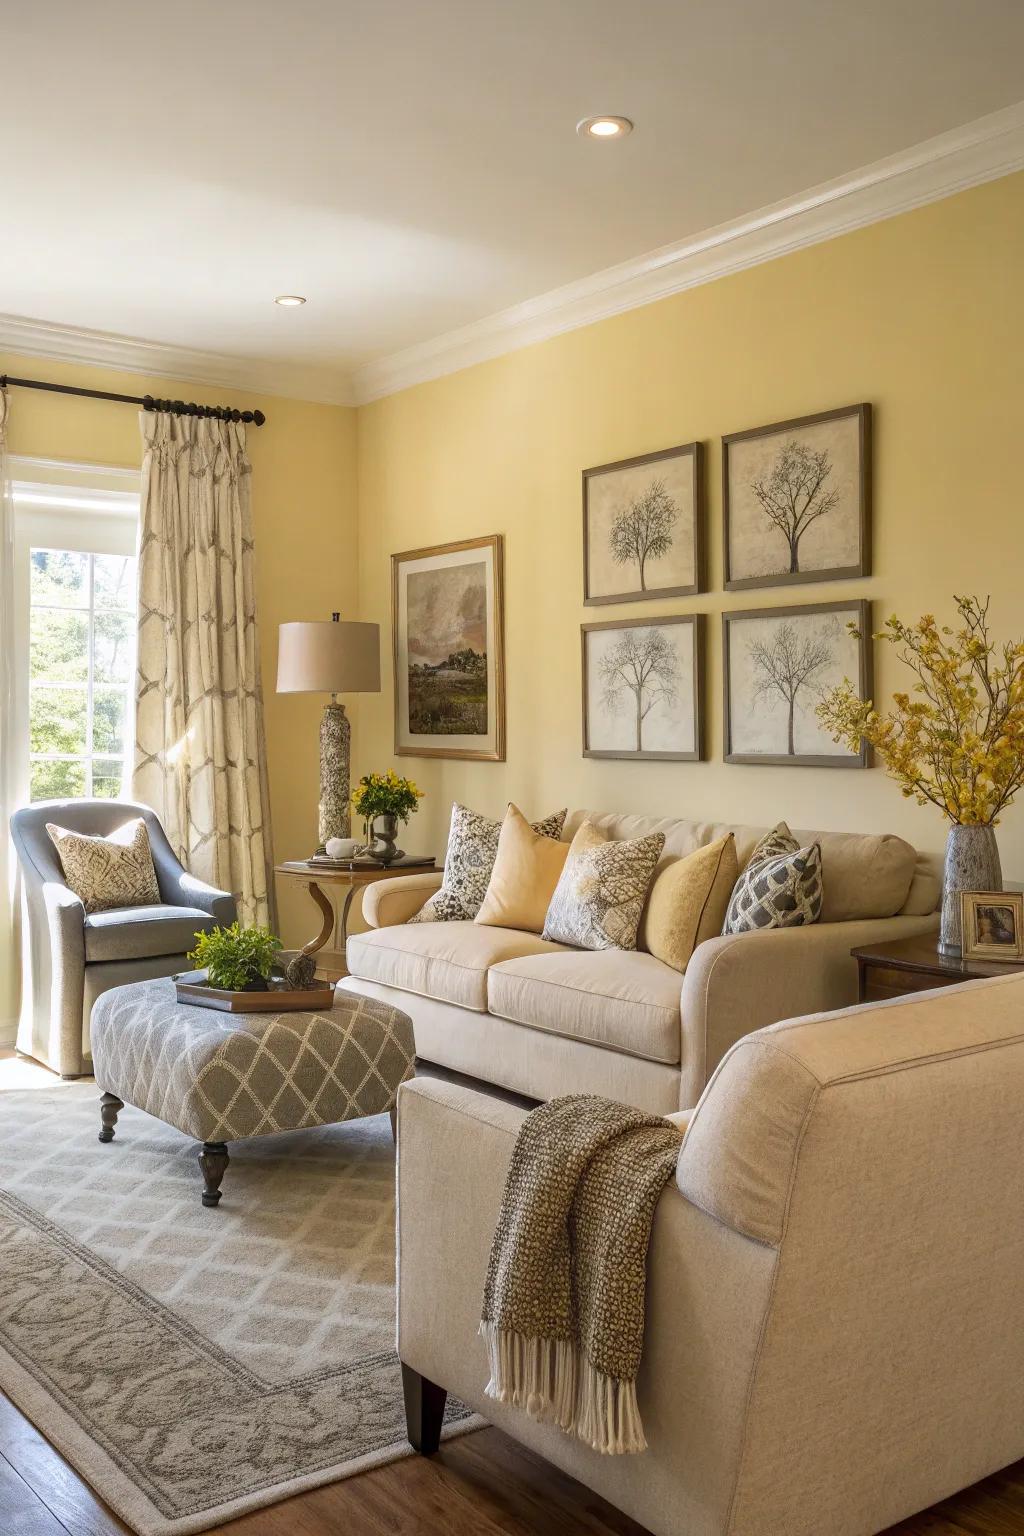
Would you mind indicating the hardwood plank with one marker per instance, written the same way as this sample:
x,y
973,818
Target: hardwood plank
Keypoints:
x,y
24,1513
53,1479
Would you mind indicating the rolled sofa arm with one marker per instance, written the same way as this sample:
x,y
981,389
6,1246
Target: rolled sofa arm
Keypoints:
x,y
742,982
386,903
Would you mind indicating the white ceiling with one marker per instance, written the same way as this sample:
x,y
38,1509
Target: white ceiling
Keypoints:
x,y
412,165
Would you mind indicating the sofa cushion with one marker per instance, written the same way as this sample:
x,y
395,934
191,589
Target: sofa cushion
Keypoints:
x,y
689,900
524,876
780,887
135,933
472,847
622,999
448,961
602,889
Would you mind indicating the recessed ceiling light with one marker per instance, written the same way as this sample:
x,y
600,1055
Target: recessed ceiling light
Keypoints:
x,y
604,127
289,300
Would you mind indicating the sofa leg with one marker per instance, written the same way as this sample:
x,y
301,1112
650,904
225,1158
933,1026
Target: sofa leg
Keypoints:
x,y
110,1108
213,1160
424,1410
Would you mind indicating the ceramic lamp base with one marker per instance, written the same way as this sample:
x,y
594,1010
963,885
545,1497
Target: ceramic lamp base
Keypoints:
x,y
335,819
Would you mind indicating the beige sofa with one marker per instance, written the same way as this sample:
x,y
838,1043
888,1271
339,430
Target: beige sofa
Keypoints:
x,y
835,1313
542,1019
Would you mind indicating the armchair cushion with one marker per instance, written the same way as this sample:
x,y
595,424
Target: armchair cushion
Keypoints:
x,y
105,872
136,933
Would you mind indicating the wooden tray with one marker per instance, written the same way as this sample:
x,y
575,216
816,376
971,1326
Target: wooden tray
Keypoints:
x,y
278,1000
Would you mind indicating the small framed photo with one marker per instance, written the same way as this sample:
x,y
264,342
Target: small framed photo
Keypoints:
x,y
993,925
796,500
777,664
643,689
643,527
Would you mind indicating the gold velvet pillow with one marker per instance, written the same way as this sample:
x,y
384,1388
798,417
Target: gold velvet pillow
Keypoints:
x,y
523,880
106,872
688,902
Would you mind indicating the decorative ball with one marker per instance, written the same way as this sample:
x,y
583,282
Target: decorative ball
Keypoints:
x,y
300,972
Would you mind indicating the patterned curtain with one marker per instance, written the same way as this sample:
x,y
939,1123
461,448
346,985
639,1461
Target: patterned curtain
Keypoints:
x,y
9,970
200,757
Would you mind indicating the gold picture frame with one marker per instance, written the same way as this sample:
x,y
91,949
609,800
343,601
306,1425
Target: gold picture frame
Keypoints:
x,y
448,644
992,924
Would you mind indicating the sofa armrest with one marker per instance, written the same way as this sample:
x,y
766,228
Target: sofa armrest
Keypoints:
x,y
742,982
59,975
386,903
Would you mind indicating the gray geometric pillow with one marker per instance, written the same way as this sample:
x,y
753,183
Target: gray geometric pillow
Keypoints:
x,y
780,887
472,850
107,872
602,889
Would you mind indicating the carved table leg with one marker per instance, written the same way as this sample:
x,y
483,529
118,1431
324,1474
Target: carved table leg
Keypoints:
x,y
110,1108
213,1160
324,903
424,1410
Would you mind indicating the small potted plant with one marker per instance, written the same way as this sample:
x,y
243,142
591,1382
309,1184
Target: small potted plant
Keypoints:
x,y
382,800
237,959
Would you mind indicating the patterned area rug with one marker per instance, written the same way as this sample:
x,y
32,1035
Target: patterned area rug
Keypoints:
x,y
193,1364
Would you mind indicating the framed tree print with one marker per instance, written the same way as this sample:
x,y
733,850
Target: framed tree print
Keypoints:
x,y
448,634
796,500
777,663
643,689
643,527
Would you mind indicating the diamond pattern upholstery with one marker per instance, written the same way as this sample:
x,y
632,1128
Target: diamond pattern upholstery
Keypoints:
x,y
228,1077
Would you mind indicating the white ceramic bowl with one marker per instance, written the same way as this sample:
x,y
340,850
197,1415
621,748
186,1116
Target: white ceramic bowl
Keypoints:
x,y
341,847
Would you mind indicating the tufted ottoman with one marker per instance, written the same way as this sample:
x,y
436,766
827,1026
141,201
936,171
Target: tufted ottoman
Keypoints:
x,y
224,1077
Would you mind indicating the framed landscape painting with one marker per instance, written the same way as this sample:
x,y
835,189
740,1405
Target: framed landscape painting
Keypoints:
x,y
643,527
777,664
643,689
448,628
796,500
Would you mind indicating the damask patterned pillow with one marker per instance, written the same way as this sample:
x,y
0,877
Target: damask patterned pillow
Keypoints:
x,y
601,893
105,872
472,850
780,887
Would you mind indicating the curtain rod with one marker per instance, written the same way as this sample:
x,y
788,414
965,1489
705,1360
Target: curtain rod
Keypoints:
x,y
148,402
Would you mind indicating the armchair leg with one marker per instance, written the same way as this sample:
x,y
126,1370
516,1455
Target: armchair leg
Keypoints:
x,y
424,1410
213,1160
110,1108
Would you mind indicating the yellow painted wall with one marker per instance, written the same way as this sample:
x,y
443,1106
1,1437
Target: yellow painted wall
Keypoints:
x,y
305,521
922,315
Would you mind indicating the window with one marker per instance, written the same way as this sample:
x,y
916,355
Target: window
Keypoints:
x,y
81,665
76,528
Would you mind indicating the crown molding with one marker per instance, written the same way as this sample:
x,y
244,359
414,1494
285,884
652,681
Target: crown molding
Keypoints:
x,y
980,151
160,360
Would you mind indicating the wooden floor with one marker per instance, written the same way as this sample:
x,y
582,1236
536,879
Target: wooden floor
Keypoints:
x,y
481,1484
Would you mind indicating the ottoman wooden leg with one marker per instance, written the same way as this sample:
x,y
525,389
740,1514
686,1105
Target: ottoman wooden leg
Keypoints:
x,y
213,1160
424,1410
110,1108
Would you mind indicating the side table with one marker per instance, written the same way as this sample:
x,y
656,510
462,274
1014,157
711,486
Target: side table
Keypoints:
x,y
331,962
915,965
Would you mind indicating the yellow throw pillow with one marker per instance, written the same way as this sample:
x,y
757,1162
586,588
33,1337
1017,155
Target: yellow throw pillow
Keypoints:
x,y
689,900
523,880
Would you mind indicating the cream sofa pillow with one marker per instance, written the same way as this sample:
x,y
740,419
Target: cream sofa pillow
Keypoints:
x,y
601,893
526,870
106,872
689,900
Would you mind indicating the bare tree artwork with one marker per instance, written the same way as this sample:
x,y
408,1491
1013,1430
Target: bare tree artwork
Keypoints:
x,y
787,664
642,669
643,530
796,494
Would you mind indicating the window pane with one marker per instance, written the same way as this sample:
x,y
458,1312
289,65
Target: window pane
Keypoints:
x,y
114,581
112,647
57,719
107,778
108,719
61,577
57,781
59,646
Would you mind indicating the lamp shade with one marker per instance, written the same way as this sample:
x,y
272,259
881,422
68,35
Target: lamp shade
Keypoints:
x,y
328,657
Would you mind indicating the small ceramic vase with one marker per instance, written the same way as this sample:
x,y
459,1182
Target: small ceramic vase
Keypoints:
x,y
972,864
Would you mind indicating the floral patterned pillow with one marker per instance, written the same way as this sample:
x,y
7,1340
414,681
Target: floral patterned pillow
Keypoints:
x,y
472,850
602,890
106,872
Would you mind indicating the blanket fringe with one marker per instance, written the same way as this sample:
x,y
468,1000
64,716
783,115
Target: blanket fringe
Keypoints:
x,y
555,1384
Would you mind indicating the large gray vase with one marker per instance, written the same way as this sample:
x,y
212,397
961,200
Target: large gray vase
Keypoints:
x,y
972,864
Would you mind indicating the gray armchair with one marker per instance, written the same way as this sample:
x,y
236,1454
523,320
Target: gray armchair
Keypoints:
x,y
70,957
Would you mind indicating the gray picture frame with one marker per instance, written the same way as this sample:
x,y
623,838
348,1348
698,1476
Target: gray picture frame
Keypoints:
x,y
862,413
857,609
695,453
697,621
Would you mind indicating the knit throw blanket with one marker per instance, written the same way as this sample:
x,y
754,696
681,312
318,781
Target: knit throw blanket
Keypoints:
x,y
563,1312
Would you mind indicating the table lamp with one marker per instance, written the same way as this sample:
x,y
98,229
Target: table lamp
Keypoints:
x,y
331,657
